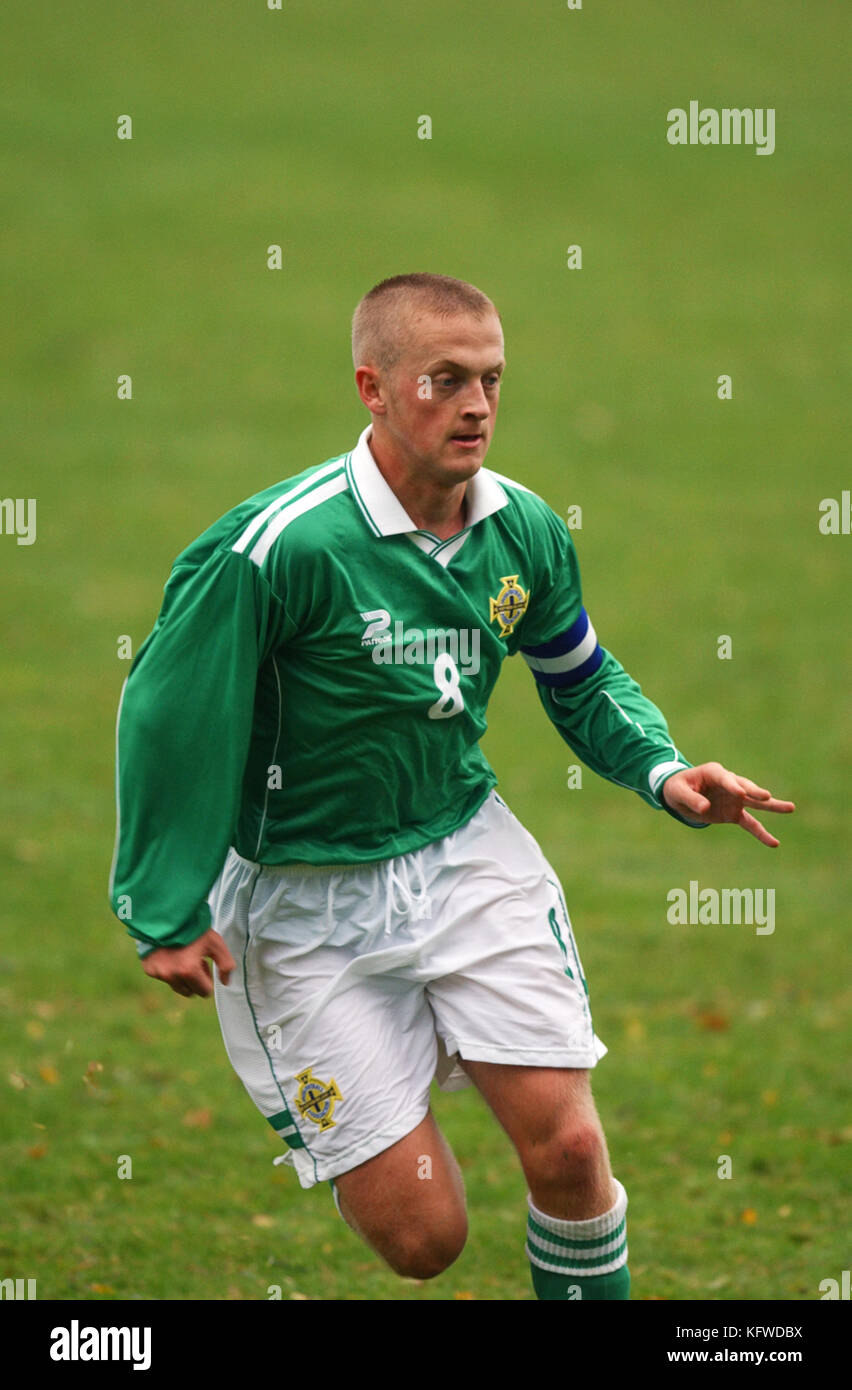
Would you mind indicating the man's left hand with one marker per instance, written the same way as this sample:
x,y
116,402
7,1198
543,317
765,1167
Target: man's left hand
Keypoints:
x,y
712,794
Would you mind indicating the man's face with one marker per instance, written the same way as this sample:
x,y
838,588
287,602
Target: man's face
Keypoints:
x,y
441,398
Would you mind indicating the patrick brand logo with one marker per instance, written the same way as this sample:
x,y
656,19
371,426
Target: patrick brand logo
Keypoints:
x,y
728,126
392,643
76,1343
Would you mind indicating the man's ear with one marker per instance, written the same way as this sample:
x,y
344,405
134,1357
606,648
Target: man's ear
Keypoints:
x,y
371,389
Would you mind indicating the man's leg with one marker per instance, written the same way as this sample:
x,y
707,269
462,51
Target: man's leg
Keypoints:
x,y
408,1204
577,1228
298,1021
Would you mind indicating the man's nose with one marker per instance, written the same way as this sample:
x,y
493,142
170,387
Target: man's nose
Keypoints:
x,y
476,401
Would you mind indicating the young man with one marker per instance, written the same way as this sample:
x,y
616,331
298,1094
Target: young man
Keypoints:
x,y
308,710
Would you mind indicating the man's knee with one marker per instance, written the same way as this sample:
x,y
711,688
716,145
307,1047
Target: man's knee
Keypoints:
x,y
419,1252
418,1227
415,1244
572,1154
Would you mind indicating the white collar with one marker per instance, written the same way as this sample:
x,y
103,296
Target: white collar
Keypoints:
x,y
382,509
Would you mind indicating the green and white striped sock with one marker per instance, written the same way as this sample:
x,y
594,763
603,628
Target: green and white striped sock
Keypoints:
x,y
580,1259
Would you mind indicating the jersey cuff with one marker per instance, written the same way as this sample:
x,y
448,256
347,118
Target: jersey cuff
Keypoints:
x,y
694,824
657,777
146,944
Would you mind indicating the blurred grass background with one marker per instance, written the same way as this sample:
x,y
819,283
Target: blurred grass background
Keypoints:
x,y
700,518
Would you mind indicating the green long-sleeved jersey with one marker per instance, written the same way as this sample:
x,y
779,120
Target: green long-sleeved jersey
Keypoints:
x,y
316,684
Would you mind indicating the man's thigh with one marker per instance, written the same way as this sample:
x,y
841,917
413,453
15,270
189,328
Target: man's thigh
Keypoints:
x,y
550,1116
534,1103
408,1202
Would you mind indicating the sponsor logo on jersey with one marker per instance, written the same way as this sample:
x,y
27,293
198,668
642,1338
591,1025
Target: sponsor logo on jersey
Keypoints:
x,y
394,643
316,1099
510,605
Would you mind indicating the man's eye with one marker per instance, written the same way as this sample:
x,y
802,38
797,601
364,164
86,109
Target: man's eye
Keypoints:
x,y
446,380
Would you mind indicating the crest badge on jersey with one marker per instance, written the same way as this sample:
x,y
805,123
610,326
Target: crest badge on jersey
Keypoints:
x,y
510,605
316,1099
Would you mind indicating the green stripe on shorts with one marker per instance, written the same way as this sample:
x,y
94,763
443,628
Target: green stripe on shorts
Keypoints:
x,y
283,1125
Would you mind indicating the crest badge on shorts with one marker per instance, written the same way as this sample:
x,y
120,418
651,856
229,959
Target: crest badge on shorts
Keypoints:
x,y
510,604
316,1099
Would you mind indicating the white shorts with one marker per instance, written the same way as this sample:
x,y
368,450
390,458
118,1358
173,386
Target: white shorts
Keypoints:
x,y
356,986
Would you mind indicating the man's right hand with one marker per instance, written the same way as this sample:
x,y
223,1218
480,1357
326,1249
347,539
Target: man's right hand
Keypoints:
x,y
184,968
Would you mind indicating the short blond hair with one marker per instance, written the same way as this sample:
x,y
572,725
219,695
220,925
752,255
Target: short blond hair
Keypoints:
x,y
383,317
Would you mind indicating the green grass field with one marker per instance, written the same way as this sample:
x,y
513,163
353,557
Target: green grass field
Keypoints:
x,y
700,518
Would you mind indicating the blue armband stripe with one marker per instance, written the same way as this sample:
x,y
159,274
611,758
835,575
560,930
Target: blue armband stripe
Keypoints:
x,y
579,673
568,658
565,642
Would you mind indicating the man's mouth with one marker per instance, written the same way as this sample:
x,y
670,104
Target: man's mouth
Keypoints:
x,y
466,438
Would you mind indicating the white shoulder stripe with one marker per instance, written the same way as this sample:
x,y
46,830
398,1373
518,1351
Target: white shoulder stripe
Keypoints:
x,y
282,501
289,513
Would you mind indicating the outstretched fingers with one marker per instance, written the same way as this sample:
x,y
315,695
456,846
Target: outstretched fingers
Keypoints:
x,y
759,831
761,797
